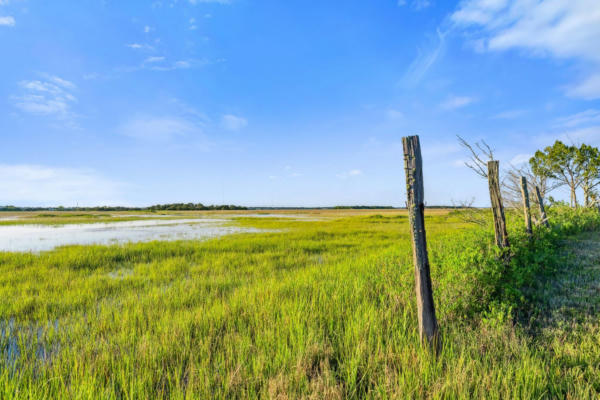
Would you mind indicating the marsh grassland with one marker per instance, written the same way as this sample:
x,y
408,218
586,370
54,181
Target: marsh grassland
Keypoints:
x,y
320,307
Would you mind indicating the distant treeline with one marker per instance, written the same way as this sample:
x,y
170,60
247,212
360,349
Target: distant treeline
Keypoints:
x,y
202,207
362,207
193,207
157,207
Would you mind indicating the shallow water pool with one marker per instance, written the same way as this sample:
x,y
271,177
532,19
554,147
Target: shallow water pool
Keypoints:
x,y
36,238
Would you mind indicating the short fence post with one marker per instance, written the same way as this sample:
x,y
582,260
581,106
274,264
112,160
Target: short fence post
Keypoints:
x,y
413,165
526,210
497,209
540,200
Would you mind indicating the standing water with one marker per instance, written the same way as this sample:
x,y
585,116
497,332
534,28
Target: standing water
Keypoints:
x,y
35,238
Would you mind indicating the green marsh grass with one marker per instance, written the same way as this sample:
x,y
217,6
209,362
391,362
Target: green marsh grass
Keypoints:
x,y
318,309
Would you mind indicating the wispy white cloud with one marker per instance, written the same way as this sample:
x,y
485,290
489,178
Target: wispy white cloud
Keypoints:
x,y
552,28
420,4
454,102
588,134
582,118
188,111
478,11
61,82
162,64
588,89
7,21
425,59
510,114
415,4
349,174
520,159
153,60
288,172
160,129
233,122
48,185
209,1
52,96
140,46
173,3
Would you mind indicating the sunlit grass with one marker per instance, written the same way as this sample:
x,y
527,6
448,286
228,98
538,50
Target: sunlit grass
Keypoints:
x,y
319,308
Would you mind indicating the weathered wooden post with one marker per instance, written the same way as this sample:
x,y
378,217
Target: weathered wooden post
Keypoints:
x,y
497,209
526,210
540,200
413,165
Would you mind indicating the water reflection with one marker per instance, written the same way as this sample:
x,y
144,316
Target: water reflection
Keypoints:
x,y
35,238
22,341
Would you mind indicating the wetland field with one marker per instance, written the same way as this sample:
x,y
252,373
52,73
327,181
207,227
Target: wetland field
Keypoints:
x,y
294,304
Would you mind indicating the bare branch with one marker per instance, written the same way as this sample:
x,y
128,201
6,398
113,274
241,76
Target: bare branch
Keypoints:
x,y
480,155
511,187
469,214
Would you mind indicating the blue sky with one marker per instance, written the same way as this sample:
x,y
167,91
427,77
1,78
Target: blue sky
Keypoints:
x,y
283,103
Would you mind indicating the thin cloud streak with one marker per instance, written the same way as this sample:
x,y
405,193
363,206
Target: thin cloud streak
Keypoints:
x,y
159,129
556,29
590,116
454,102
7,21
52,97
424,61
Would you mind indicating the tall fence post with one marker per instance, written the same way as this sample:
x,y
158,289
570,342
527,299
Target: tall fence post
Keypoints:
x,y
413,165
540,200
526,210
497,209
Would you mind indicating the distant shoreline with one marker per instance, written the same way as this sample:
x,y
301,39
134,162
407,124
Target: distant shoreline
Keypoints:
x,y
185,207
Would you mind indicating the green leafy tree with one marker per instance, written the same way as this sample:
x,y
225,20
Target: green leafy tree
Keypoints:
x,y
561,163
588,159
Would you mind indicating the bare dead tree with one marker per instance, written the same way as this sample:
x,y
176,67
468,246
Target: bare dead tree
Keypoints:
x,y
511,188
470,214
481,153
